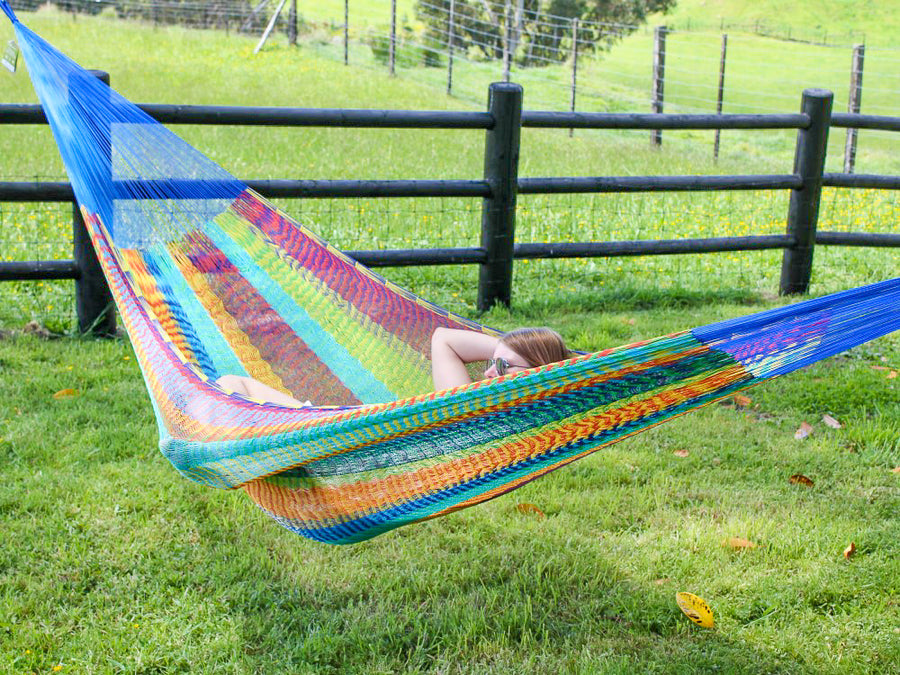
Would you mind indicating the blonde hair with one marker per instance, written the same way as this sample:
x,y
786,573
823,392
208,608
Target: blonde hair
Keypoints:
x,y
538,346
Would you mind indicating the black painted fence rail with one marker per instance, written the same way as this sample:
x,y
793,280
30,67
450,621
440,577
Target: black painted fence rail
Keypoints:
x,y
32,113
500,186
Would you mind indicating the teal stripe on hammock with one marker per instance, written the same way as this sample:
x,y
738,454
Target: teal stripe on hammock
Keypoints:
x,y
220,352
364,385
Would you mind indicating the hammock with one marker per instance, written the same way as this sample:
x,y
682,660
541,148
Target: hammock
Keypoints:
x,y
210,279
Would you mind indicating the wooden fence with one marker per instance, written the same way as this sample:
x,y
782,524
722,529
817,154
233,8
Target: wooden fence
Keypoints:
x,y
499,186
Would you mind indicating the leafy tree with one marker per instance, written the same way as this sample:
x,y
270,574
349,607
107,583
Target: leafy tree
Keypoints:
x,y
540,31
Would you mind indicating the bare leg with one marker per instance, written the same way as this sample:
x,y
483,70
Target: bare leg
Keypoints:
x,y
256,389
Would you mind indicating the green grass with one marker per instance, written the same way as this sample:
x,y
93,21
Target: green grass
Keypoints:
x,y
110,562
874,23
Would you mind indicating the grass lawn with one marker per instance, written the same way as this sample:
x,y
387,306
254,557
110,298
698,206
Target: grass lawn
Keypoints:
x,y
110,562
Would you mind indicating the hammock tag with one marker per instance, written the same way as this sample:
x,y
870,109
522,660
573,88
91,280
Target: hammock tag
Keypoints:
x,y
11,56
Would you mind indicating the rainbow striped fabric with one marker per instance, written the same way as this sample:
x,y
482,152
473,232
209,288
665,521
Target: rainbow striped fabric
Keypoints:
x,y
210,279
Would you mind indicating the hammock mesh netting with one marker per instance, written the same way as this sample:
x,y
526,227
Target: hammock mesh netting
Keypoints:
x,y
210,279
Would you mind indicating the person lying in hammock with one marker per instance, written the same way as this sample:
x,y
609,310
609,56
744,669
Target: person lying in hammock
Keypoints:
x,y
451,350
517,350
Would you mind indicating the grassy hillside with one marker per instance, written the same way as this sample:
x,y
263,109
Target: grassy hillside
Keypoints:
x,y
875,23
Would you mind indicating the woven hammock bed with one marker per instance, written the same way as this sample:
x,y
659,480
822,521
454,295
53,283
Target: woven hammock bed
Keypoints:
x,y
211,279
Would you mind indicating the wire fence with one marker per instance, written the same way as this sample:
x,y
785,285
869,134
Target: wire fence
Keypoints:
x,y
31,232
610,67
598,66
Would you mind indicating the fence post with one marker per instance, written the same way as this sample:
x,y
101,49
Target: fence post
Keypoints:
x,y
803,213
292,24
721,95
393,35
498,212
94,306
659,77
853,105
574,67
346,32
507,57
450,32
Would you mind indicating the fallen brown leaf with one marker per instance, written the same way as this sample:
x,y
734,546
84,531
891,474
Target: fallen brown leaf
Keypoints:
x,y
65,393
804,431
896,469
738,543
527,508
850,550
681,453
831,422
742,401
38,330
800,479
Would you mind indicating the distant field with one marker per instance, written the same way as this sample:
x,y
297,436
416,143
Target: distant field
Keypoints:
x,y
833,21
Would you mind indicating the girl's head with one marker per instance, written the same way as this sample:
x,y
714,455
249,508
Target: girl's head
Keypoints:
x,y
526,348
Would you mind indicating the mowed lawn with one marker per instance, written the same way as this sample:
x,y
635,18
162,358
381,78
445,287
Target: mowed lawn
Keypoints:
x,y
111,562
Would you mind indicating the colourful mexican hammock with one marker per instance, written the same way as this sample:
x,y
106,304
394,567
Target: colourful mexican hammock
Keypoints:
x,y
210,279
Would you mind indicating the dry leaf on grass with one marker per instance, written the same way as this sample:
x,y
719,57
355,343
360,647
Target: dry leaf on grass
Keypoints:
x,y
738,543
65,393
831,422
695,608
850,550
527,508
804,431
38,330
800,479
896,469
742,401
681,453
892,375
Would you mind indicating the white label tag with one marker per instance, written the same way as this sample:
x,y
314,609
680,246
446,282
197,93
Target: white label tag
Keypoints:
x,y
11,56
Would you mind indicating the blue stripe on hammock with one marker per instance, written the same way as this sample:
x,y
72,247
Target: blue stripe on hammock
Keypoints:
x,y
831,324
221,359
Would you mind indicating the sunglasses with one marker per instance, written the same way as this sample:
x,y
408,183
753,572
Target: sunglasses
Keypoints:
x,y
502,365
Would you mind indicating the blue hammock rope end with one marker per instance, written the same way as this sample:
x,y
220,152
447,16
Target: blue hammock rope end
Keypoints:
x,y
4,5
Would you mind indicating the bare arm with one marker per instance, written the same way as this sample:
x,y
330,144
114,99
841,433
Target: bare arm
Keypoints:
x,y
256,389
452,349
